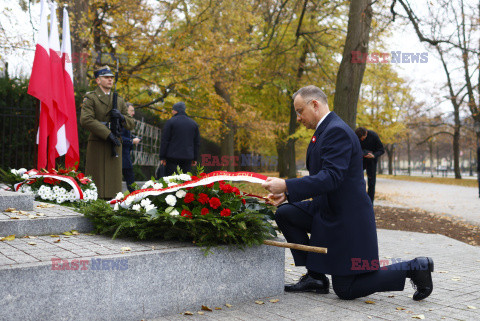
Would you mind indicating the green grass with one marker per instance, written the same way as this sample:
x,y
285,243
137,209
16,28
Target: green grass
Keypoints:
x,y
435,180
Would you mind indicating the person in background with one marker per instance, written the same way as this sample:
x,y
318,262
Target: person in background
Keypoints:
x,y
372,149
180,141
128,140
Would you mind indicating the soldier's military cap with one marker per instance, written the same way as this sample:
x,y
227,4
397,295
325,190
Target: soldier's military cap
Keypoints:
x,y
104,71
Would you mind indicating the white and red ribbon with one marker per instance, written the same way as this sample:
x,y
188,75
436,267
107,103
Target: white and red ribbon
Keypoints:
x,y
67,179
205,180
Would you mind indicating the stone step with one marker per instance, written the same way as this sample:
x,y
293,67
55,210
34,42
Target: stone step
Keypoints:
x,y
20,201
90,277
42,219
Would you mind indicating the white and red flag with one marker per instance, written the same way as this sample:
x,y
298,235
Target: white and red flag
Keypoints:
x,y
39,86
57,143
72,157
52,83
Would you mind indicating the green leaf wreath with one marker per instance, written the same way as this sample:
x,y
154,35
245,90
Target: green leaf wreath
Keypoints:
x,y
210,215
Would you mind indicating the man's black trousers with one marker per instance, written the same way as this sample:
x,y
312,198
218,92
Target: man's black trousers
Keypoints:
x,y
296,223
171,167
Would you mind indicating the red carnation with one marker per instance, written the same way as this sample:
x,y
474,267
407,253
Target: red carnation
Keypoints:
x,y
189,197
226,188
186,213
236,190
205,211
243,201
215,203
203,198
203,175
225,212
194,178
210,185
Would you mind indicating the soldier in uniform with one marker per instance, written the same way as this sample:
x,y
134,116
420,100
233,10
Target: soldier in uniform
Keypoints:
x,y
105,169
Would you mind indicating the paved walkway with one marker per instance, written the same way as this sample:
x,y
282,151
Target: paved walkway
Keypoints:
x,y
461,202
456,294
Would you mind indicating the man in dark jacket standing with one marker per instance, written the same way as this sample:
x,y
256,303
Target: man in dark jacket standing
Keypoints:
x,y
372,149
180,141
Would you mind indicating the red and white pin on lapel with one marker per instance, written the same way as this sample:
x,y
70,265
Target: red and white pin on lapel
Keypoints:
x,y
314,139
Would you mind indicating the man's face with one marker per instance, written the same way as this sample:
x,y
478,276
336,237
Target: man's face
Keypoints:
x,y
131,111
105,82
306,111
363,137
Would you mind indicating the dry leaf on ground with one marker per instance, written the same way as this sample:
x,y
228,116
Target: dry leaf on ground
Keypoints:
x,y
228,305
8,238
205,308
274,300
369,302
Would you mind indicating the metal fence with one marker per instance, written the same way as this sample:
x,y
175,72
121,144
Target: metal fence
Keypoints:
x,y
18,136
147,152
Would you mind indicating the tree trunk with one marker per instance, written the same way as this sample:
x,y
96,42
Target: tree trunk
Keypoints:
x,y
228,139
80,42
352,67
389,148
282,165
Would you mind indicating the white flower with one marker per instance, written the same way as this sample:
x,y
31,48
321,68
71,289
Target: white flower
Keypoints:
x,y
136,207
157,186
145,202
174,213
150,207
171,200
119,196
115,207
172,184
180,193
25,176
148,184
13,171
184,177
21,171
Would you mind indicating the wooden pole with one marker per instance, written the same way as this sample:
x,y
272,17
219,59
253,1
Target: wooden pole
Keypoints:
x,y
295,246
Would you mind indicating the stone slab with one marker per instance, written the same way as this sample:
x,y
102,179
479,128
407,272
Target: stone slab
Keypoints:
x,y
43,219
20,201
148,282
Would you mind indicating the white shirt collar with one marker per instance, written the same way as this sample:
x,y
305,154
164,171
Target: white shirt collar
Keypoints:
x,y
320,121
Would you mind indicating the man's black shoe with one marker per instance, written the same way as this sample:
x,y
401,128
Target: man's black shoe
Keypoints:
x,y
309,284
420,275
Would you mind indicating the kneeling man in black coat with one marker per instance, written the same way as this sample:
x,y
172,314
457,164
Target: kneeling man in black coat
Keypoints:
x,y
339,216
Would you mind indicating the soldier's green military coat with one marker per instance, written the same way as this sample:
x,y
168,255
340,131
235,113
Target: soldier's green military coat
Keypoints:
x,y
105,169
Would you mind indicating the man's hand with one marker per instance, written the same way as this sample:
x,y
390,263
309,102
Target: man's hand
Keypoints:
x,y
114,140
136,140
275,185
276,199
116,113
369,155
163,162
194,163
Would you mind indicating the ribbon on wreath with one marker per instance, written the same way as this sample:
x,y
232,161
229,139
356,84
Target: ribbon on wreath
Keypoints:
x,y
33,173
205,180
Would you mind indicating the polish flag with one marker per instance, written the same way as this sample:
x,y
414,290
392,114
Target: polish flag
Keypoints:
x,y
58,139
72,158
39,86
